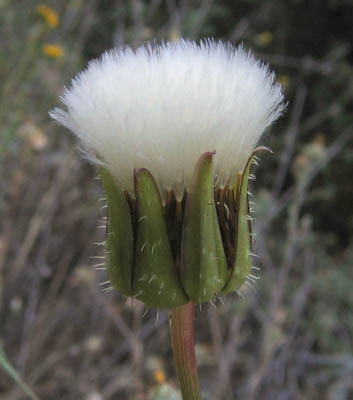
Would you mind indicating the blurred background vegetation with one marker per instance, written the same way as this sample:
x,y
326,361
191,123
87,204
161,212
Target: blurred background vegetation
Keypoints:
x,y
292,336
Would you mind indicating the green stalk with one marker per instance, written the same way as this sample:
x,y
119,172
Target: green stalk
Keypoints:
x,y
182,336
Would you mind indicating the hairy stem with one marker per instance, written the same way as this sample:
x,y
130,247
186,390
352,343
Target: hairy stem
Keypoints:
x,y
182,336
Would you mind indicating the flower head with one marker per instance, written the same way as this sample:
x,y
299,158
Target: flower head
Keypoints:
x,y
181,121
161,107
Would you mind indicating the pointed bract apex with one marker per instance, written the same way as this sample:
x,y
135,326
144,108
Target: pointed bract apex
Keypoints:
x,y
205,156
261,148
139,172
252,158
204,159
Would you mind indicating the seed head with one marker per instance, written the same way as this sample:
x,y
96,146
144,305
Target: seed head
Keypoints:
x,y
174,129
161,107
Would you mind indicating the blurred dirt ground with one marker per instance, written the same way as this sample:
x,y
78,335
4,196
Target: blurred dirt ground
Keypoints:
x,y
68,338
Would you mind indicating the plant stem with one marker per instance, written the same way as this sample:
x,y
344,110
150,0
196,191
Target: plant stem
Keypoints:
x,y
182,335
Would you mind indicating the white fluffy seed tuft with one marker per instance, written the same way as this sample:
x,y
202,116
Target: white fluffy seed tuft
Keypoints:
x,y
161,107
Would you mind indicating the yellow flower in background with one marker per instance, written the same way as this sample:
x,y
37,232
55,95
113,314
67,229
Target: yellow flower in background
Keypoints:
x,y
159,376
263,38
50,16
53,51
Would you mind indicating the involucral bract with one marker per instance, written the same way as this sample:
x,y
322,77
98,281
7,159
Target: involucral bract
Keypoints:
x,y
166,253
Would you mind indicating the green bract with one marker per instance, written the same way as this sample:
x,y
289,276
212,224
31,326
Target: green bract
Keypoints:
x,y
194,249
155,279
203,262
120,240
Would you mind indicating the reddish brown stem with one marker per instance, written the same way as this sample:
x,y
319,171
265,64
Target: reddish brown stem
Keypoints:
x,y
182,335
